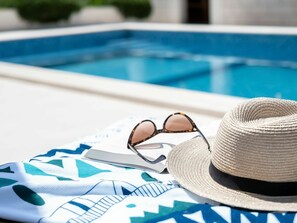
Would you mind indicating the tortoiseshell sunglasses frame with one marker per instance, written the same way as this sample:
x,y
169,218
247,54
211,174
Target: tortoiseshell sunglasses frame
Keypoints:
x,y
131,145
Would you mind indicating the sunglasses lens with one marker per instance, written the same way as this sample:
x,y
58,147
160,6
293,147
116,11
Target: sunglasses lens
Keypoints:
x,y
143,131
178,123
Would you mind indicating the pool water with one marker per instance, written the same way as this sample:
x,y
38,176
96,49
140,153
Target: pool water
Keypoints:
x,y
215,75
210,62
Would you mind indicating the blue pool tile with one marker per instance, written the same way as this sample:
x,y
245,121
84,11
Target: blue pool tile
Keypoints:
x,y
56,44
256,46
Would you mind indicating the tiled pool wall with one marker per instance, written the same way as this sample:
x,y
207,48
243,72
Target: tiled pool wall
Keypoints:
x,y
16,48
275,47
255,46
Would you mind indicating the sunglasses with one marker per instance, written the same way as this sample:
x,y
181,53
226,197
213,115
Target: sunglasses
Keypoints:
x,y
146,129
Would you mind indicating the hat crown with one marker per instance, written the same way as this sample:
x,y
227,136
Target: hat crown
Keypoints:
x,y
258,140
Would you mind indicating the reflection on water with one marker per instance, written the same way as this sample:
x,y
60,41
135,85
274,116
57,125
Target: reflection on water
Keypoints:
x,y
209,74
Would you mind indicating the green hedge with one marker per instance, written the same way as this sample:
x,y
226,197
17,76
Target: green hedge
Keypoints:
x,y
96,2
8,3
133,8
47,11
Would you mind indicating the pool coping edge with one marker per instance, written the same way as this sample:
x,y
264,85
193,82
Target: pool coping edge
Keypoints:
x,y
180,99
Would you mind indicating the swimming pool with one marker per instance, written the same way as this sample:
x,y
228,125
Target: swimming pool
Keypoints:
x,y
209,75
236,64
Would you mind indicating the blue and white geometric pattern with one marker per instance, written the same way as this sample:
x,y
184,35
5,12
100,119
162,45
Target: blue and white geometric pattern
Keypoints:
x,y
62,186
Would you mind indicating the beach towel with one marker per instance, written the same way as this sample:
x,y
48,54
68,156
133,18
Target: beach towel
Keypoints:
x,y
62,186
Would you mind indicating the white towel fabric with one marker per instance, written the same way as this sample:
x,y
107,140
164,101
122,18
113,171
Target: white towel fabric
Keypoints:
x,y
61,186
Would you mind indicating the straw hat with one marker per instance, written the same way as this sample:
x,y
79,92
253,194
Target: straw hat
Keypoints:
x,y
253,158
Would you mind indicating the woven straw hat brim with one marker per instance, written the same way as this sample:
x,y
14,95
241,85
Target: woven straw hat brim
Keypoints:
x,y
189,164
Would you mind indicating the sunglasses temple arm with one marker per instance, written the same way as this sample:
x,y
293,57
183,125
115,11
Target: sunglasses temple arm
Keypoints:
x,y
159,159
205,140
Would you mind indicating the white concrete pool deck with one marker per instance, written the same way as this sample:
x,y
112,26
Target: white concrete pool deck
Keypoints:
x,y
41,108
36,117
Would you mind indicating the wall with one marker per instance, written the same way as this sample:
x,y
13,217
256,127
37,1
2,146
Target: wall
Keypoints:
x,y
254,12
10,20
166,11
172,11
